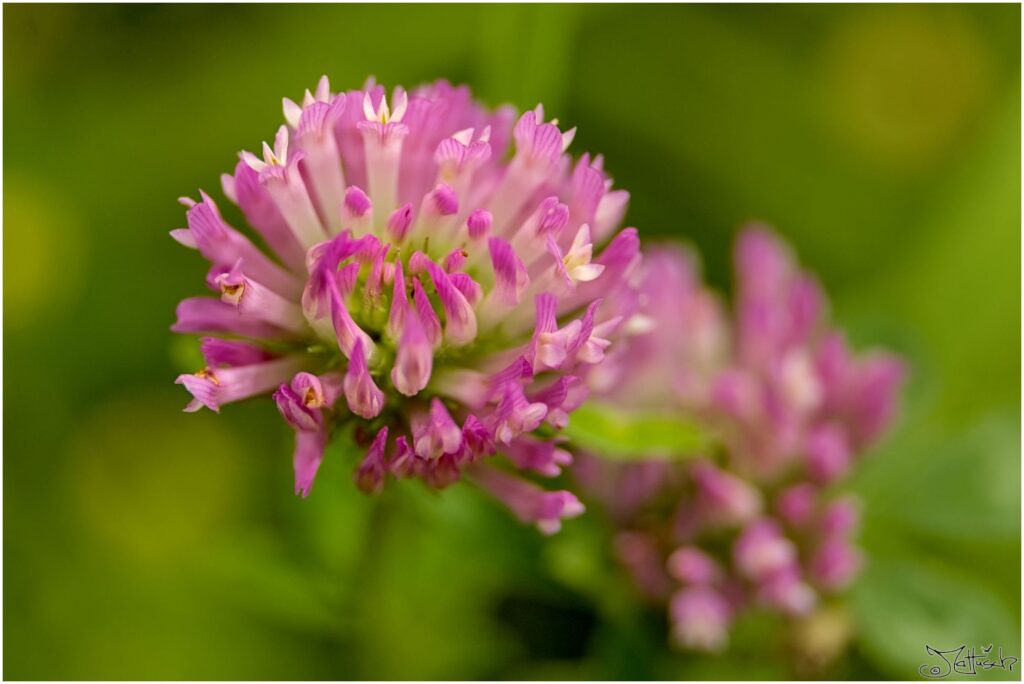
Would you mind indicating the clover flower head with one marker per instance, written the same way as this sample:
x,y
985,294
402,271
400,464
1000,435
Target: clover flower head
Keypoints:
x,y
432,287
754,523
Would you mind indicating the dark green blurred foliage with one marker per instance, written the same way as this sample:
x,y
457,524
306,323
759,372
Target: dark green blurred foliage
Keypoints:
x,y
144,543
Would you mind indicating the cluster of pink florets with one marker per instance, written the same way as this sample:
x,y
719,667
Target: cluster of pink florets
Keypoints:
x,y
753,521
432,288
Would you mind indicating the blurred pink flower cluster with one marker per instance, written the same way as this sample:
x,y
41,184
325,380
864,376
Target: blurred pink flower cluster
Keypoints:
x,y
433,287
754,521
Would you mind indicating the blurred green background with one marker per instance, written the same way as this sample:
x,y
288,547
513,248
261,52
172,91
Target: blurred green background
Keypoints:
x,y
141,542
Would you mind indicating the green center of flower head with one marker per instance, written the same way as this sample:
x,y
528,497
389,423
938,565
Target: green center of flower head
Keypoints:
x,y
370,307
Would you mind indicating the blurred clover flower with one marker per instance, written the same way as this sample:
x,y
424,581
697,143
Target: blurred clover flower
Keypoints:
x,y
431,292
792,409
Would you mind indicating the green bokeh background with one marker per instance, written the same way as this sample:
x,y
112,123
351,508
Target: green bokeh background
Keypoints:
x,y
140,542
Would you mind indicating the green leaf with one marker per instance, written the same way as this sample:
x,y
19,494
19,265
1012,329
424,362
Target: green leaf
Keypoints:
x,y
906,603
942,512
618,434
954,490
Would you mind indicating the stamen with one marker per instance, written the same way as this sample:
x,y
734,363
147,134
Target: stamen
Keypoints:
x,y
312,399
208,374
232,294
